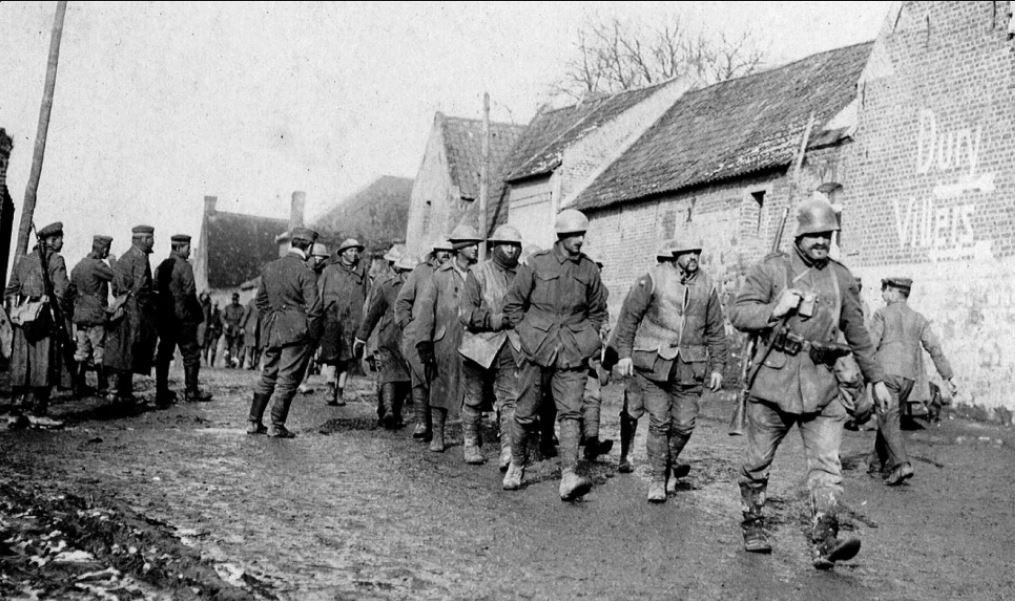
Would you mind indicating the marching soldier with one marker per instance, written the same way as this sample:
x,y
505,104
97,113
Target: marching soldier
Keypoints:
x,y
343,288
392,371
36,361
800,305
90,279
179,314
670,336
592,397
439,332
898,333
290,321
557,304
130,340
490,347
232,315
439,254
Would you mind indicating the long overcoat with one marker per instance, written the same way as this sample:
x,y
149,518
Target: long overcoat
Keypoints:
x,y
380,320
130,341
37,364
343,291
435,318
406,300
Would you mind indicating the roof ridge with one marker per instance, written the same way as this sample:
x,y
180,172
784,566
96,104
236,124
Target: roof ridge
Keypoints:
x,y
473,120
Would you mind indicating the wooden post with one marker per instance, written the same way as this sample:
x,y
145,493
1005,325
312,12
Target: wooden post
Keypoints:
x,y
484,177
28,209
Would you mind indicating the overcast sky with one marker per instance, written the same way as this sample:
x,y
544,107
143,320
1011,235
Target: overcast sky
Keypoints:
x,y
158,104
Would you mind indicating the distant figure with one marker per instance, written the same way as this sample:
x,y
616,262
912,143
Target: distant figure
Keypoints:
x,y
251,330
212,333
343,288
232,315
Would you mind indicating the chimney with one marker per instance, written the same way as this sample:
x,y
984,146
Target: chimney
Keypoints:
x,y
299,203
209,204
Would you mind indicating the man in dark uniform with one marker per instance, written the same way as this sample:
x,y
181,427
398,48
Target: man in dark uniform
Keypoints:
x,y
343,288
440,254
439,332
90,279
900,334
130,341
179,313
392,371
290,321
36,361
212,332
251,345
557,303
671,331
232,315
802,305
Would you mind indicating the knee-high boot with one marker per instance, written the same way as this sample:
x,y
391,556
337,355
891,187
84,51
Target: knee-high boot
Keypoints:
x,y
438,417
657,450
628,429
470,435
572,485
421,412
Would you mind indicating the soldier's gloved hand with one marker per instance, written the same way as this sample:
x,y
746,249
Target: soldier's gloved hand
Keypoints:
x,y
882,397
788,300
625,367
427,357
715,381
358,346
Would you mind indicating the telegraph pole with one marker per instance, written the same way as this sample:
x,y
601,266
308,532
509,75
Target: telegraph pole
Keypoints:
x,y
484,177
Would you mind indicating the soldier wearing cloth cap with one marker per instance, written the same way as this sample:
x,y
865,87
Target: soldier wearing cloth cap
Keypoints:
x,y
438,332
557,303
801,305
290,311
232,316
440,253
90,279
179,313
130,340
36,362
898,333
670,335
343,288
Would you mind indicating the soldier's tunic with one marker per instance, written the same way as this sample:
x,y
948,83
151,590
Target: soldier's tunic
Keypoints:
x,y
130,342
792,388
404,303
251,333
343,290
90,279
37,363
178,311
900,336
232,316
435,318
380,318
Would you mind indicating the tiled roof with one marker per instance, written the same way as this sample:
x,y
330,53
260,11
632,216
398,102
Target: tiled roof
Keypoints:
x,y
238,246
551,132
731,129
376,215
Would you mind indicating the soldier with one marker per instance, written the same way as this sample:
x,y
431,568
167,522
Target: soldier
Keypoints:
x,y
290,322
438,332
212,333
800,305
130,341
439,254
558,306
179,313
898,332
36,361
232,315
392,371
90,279
251,345
670,336
343,288
490,347
317,261
592,397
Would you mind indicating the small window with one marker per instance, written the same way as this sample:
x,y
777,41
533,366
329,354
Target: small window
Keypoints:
x,y
759,201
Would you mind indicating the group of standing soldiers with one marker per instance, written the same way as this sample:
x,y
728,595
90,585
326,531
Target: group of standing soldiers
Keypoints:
x,y
115,339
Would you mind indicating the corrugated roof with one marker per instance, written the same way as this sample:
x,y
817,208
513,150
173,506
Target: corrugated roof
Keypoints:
x,y
733,128
376,215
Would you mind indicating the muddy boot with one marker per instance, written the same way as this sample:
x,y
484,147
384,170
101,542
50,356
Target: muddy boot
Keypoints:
x,y
102,380
438,417
507,418
257,407
516,469
125,390
384,396
421,413
279,413
513,476
752,498
163,396
193,392
826,547
399,392
470,436
39,415
900,474
81,388
657,448
676,470
628,428
337,397
572,486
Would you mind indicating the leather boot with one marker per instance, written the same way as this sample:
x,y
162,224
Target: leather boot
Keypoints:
x,y
513,476
628,429
81,388
470,435
125,389
547,439
421,413
103,380
163,396
674,469
657,450
337,397
257,407
279,413
752,498
572,486
900,474
399,391
193,393
826,547
384,394
437,416
507,418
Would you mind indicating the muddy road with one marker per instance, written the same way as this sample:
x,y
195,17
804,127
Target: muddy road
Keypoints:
x,y
350,511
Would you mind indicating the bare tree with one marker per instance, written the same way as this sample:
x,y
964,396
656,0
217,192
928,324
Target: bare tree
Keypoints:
x,y
616,55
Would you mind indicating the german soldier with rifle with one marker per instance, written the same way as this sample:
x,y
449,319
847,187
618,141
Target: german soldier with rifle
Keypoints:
x,y
801,306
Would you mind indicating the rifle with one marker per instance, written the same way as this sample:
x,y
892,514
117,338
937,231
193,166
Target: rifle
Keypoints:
x,y
59,323
749,371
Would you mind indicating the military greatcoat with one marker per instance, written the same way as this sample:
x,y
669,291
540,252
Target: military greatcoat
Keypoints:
x,y
37,363
130,345
404,304
380,318
435,318
178,310
343,291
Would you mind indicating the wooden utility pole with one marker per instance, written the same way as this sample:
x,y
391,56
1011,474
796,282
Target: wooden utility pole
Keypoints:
x,y
484,177
28,209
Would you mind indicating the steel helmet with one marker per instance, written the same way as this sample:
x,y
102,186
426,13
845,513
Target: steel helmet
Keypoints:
x,y
441,244
319,250
815,216
464,233
350,243
395,252
667,250
405,263
570,221
506,234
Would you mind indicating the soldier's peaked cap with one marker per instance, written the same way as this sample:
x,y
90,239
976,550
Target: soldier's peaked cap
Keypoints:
x,y
53,229
898,282
102,240
180,238
142,229
303,233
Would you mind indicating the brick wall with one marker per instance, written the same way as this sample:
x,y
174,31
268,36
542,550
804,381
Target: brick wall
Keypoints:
x,y
530,209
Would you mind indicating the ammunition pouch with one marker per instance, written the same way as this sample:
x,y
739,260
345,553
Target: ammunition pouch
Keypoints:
x,y
821,353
